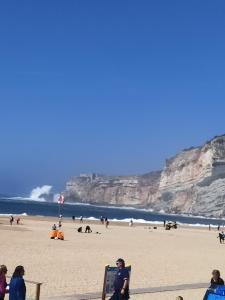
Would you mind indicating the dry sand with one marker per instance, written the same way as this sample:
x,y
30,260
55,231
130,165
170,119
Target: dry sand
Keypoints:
x,y
76,265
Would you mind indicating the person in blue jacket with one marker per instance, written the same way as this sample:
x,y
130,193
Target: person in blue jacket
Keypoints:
x,y
17,287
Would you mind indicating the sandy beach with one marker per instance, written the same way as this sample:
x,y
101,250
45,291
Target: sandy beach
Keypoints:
x,y
76,265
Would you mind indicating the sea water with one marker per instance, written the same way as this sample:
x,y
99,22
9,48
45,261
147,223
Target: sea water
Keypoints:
x,y
21,206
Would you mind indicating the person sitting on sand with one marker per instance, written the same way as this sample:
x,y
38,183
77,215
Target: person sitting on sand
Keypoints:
x,y
79,229
54,227
88,229
60,236
216,279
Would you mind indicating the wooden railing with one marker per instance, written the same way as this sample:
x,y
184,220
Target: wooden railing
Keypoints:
x,y
37,287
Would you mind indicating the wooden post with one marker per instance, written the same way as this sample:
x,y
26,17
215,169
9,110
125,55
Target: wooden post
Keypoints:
x,y
38,290
104,283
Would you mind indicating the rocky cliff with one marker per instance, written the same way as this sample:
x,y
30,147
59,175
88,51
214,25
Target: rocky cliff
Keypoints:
x,y
192,182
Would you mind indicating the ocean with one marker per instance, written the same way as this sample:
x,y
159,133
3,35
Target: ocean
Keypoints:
x,y
24,207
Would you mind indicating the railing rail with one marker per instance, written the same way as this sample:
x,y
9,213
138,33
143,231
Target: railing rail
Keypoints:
x,y
139,291
37,287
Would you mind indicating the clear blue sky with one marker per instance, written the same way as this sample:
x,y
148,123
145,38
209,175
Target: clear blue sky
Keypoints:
x,y
114,87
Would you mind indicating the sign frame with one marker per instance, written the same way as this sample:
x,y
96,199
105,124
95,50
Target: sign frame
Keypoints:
x,y
108,275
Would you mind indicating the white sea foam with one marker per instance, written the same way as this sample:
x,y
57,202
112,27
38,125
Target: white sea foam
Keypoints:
x,y
149,222
36,194
8,215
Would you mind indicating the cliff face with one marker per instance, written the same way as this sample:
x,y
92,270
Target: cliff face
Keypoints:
x,y
192,182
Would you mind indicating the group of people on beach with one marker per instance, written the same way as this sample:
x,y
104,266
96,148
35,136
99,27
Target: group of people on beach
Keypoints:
x,y
16,288
87,229
104,220
11,220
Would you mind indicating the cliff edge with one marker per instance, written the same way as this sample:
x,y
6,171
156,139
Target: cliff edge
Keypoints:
x,y
192,182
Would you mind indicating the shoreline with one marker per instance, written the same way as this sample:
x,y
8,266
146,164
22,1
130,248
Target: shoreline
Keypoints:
x,y
126,208
147,225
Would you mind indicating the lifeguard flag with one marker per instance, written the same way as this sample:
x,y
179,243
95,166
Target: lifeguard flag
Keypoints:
x,y
61,199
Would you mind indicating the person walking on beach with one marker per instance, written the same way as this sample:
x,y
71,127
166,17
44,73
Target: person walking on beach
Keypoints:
x,y
107,223
17,287
221,237
121,282
3,283
11,219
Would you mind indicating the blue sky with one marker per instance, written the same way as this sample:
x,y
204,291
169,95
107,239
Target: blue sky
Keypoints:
x,y
114,87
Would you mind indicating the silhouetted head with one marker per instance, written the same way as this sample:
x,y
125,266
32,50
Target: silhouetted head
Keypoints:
x,y
3,269
216,274
120,263
19,271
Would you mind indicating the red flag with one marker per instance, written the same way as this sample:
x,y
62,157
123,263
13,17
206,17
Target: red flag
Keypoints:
x,y
61,199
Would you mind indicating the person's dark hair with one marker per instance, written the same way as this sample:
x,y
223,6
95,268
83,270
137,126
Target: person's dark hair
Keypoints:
x,y
3,269
19,271
216,272
121,261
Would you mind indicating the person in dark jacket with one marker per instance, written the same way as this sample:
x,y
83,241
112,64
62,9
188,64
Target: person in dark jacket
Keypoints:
x,y
215,281
3,283
17,287
121,283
